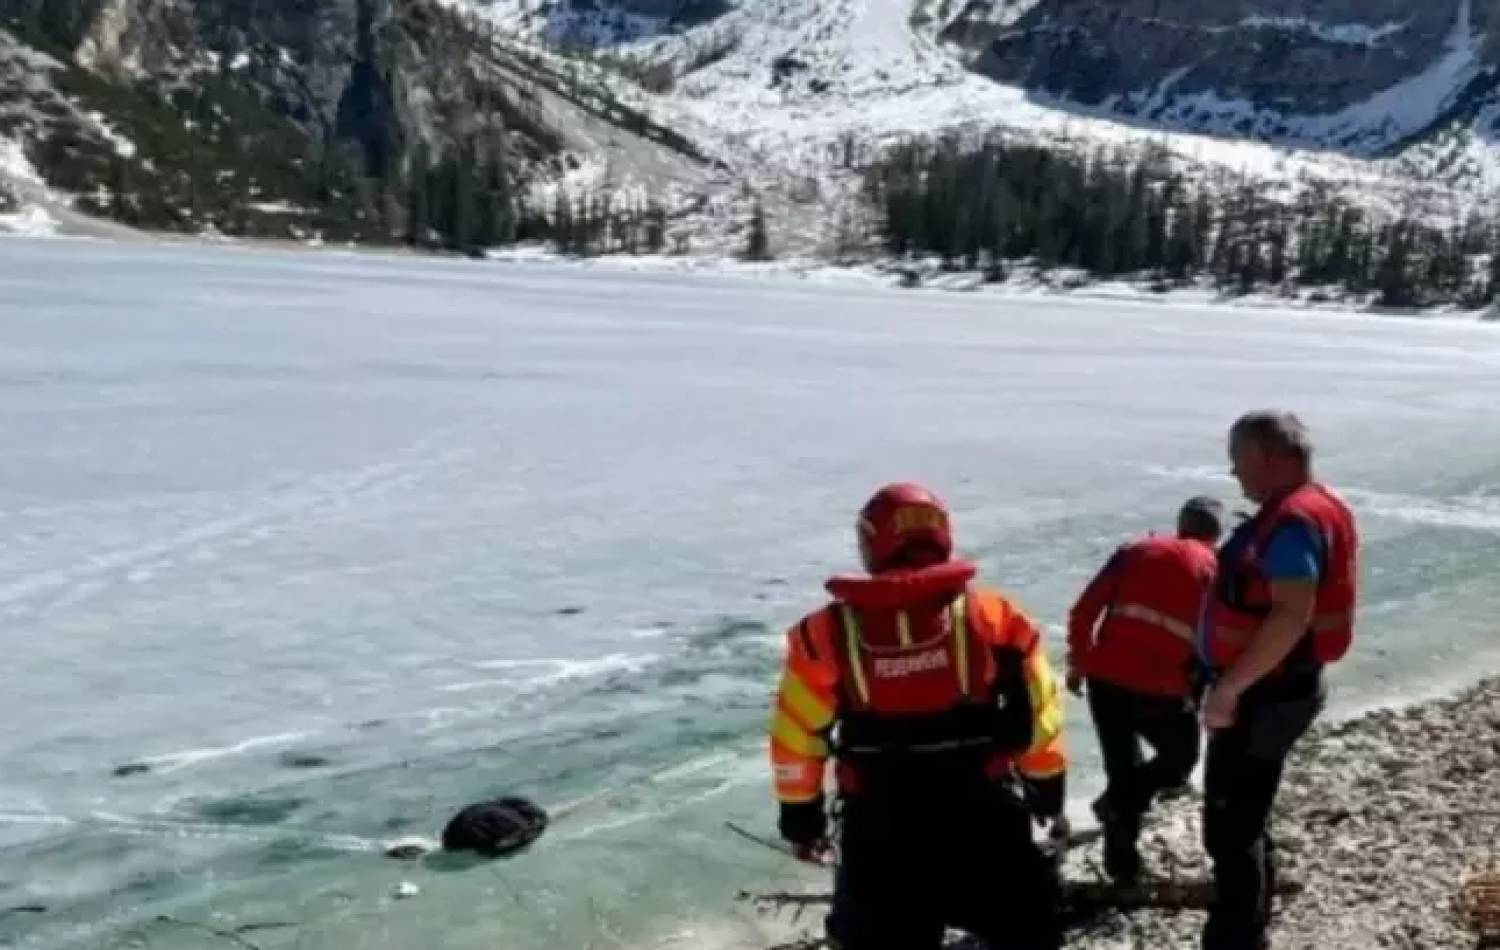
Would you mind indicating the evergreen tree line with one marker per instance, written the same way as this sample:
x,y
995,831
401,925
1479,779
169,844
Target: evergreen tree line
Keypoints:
x,y
463,198
471,197
1114,215
471,193
594,225
467,200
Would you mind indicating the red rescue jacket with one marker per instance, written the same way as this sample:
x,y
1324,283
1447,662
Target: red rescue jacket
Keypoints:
x,y
1150,594
914,679
1242,596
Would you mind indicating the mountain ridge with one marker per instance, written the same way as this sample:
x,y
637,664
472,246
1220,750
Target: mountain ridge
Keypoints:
x,y
1354,80
714,108
782,73
334,109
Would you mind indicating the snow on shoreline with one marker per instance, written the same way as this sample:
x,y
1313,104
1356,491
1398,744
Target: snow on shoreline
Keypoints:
x,y
30,221
877,275
19,180
1023,285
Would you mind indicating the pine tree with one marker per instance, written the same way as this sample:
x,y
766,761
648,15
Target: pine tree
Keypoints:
x,y
418,207
1392,279
1492,292
462,212
757,243
656,229
1276,264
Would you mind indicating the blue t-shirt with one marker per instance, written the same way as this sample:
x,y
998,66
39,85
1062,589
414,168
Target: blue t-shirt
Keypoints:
x,y
1293,552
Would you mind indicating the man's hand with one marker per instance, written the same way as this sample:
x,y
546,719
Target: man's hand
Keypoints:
x,y
1220,706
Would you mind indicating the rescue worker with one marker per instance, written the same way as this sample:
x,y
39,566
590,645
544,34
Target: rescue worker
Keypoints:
x,y
1282,609
1138,668
934,698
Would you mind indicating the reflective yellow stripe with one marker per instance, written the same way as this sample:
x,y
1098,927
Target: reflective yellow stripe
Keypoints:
x,y
903,628
1150,615
791,734
1049,721
958,628
804,703
850,624
1046,699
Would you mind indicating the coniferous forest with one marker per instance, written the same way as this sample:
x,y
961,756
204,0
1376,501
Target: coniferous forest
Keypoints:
x,y
1109,215
211,156
986,207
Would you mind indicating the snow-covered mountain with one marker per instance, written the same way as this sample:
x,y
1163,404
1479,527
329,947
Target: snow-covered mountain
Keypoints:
x,y
297,119
712,101
1362,76
1365,76
1359,92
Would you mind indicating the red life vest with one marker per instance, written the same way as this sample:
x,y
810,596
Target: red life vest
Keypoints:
x,y
1242,595
931,678
1145,642
905,669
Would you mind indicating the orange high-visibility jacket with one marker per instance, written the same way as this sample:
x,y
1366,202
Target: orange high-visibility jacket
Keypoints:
x,y
972,672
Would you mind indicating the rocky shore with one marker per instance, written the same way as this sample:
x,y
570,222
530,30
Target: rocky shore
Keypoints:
x,y
1381,817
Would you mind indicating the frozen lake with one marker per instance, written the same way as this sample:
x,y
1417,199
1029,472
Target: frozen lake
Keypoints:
x,y
337,544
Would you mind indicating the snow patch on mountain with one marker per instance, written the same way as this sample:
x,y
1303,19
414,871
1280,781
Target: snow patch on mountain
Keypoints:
x,y
1348,34
1402,110
777,89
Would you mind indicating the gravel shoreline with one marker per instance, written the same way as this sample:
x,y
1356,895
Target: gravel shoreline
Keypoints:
x,y
1380,818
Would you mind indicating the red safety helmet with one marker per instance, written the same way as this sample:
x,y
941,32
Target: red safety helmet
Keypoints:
x,y
904,525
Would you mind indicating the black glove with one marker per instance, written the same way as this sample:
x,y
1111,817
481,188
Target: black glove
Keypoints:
x,y
1045,797
803,823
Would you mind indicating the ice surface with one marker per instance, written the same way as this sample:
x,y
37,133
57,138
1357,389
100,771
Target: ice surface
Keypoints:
x,y
329,545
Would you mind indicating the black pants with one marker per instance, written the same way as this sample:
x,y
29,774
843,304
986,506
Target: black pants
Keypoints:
x,y
908,869
1123,719
1242,776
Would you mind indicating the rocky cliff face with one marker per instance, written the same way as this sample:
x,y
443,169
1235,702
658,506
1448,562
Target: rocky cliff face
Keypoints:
x,y
971,24
1359,75
348,91
603,24
668,11
386,74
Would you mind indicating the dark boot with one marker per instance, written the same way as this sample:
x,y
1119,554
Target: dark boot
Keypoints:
x,y
1122,831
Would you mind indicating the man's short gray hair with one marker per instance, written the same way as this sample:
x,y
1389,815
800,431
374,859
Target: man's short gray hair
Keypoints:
x,y
1275,431
1201,518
